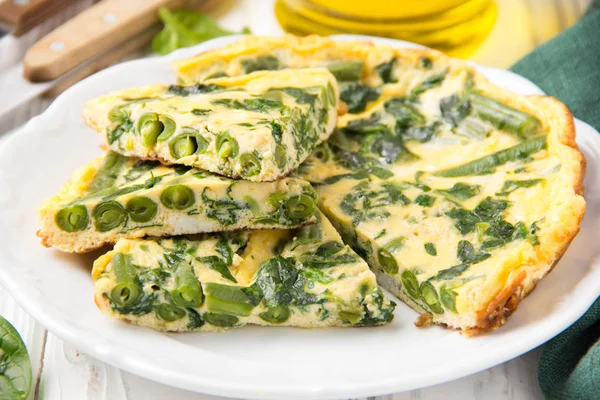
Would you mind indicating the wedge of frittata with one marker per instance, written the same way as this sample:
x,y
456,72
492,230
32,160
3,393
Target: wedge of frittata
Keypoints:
x,y
116,197
305,277
258,127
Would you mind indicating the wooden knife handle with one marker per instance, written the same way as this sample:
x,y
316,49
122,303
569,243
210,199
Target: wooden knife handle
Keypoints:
x,y
94,31
23,15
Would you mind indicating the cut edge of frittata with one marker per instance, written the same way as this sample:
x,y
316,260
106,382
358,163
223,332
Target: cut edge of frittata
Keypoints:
x,y
231,280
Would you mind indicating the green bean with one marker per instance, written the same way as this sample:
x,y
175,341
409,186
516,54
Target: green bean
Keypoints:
x,y
387,261
125,294
127,291
473,127
226,146
123,268
72,218
222,320
430,297
448,298
108,215
227,299
483,164
118,113
178,197
149,127
108,173
280,156
504,117
351,317
141,208
169,127
169,313
276,315
187,143
300,207
410,283
346,70
252,205
322,152
188,292
395,244
250,164
331,98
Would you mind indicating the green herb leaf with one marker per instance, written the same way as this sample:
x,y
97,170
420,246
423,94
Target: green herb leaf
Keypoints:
x,y
184,28
460,191
430,249
15,367
467,254
357,96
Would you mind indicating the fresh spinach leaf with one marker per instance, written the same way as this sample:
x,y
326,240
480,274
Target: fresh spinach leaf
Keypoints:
x,y
357,96
217,264
262,63
386,71
15,367
184,28
281,283
454,109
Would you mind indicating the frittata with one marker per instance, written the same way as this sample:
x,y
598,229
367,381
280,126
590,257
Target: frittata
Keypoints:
x,y
305,278
459,194
257,127
116,196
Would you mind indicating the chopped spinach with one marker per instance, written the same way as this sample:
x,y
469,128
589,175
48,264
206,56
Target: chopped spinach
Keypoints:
x,y
467,254
430,82
430,249
258,105
455,108
366,126
510,186
404,112
450,273
262,63
281,283
199,88
386,71
425,200
357,96
488,211
366,203
217,264
460,191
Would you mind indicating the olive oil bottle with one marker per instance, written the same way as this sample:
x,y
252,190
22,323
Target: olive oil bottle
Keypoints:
x,y
456,27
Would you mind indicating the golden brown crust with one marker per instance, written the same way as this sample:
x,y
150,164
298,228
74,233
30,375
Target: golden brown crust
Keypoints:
x,y
507,300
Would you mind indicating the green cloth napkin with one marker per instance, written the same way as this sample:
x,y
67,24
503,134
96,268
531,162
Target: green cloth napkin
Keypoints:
x,y
568,68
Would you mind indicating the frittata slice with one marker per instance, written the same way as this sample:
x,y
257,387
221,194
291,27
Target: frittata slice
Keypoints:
x,y
257,127
116,196
460,195
347,60
305,278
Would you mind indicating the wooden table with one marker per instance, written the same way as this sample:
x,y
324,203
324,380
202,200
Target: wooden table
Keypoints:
x,y
63,373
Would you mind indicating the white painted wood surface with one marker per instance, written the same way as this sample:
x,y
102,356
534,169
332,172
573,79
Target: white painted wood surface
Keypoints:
x,y
63,373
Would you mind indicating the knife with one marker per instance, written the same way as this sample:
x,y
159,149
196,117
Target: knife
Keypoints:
x,y
19,16
94,39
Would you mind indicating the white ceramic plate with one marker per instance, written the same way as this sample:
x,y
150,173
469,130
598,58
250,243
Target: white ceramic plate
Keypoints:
x,y
56,289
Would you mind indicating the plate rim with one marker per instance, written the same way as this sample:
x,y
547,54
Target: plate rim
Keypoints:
x,y
69,332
